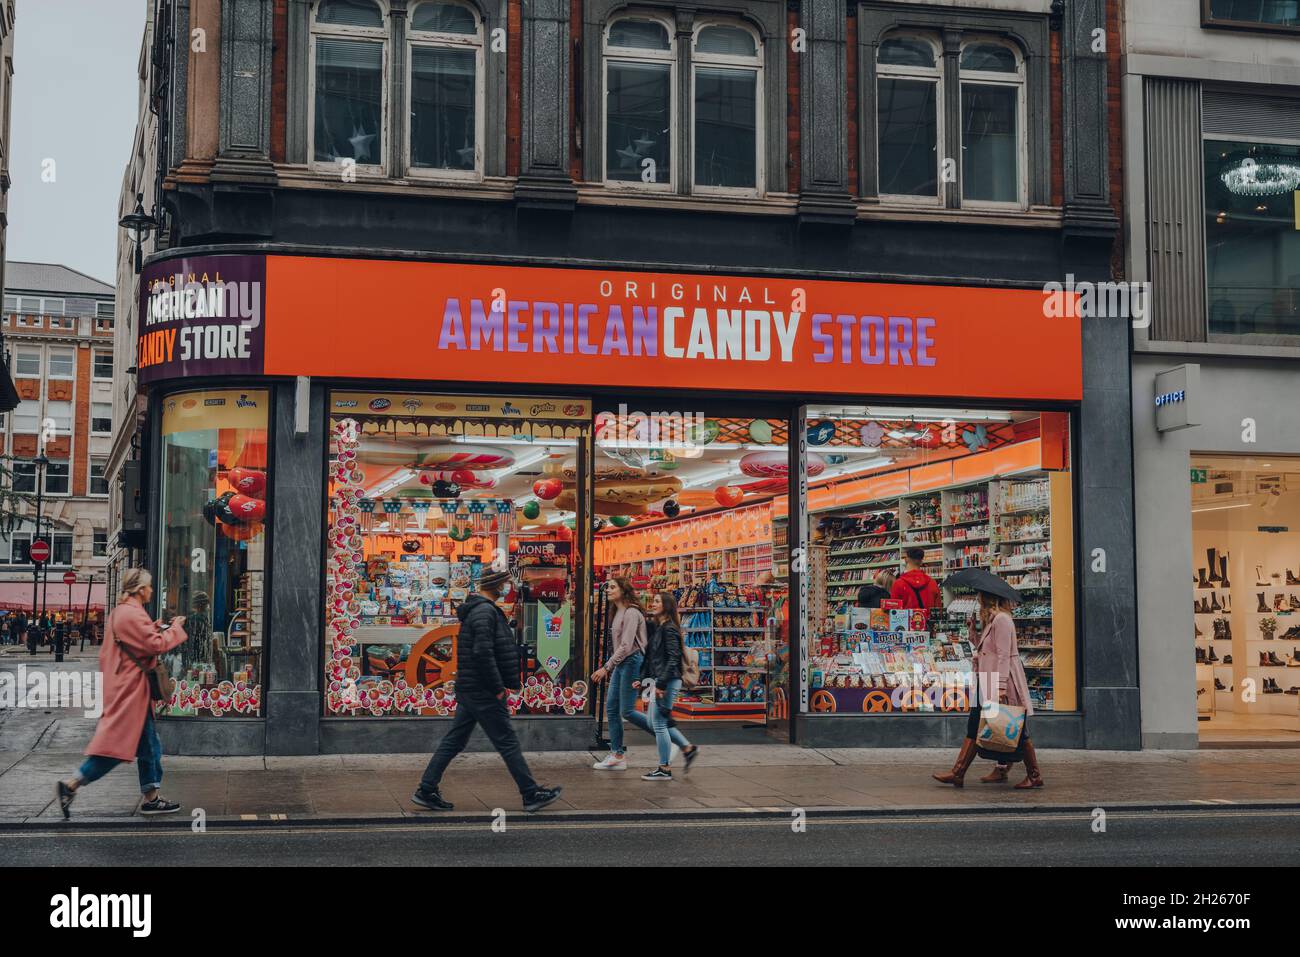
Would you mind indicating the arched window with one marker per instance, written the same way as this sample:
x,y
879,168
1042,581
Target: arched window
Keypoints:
x,y
993,137
639,92
909,104
349,100
726,85
445,41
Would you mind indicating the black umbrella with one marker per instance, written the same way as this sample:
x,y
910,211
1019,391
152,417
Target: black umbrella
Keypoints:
x,y
981,579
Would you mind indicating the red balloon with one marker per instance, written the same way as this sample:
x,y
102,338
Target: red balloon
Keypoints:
x,y
547,489
728,495
463,477
248,481
246,509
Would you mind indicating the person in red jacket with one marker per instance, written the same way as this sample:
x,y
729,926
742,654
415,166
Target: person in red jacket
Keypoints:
x,y
914,588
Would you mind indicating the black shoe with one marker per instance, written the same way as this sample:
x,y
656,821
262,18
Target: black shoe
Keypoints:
x,y
1219,685
159,806
1200,655
541,797
658,774
1212,559
1201,581
1291,579
1227,659
1210,656
431,800
66,796
690,756
1223,577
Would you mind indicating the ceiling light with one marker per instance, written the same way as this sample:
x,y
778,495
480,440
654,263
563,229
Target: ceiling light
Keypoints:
x,y
1269,176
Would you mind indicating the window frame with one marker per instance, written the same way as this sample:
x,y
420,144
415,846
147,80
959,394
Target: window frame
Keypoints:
x,y
98,549
631,55
45,478
988,78
428,39
317,31
40,413
93,430
1210,22
35,352
95,355
49,364
726,61
894,71
90,477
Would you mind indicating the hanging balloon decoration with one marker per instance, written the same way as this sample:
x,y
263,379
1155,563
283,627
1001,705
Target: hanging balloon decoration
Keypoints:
x,y
760,430
548,489
819,433
728,495
672,509
531,510
620,521
444,489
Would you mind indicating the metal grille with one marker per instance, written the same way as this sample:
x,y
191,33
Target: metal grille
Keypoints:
x,y
1175,227
1251,115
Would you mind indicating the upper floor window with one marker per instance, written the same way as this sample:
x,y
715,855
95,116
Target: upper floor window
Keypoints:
x,y
104,310
1281,15
348,97
445,42
723,75
639,111
103,366
726,73
27,362
908,109
63,364
992,124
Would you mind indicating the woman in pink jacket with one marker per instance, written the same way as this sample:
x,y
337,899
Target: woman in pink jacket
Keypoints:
x,y
998,670
126,727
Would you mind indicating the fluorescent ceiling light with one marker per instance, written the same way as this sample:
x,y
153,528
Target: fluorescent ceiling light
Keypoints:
x,y
1220,508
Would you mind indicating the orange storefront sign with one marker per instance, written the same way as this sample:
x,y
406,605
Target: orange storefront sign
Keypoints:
x,y
582,327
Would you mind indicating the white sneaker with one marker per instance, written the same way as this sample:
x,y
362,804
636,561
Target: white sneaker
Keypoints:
x,y
611,763
674,753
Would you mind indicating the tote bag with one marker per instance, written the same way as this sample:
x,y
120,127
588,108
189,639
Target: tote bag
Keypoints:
x,y
1001,728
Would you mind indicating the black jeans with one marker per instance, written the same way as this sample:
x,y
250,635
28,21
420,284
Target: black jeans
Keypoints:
x,y
491,715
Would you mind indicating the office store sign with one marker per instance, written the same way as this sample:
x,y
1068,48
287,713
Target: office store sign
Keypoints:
x,y
458,322
202,316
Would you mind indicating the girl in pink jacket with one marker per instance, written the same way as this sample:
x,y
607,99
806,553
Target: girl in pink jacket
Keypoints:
x,y
126,727
998,672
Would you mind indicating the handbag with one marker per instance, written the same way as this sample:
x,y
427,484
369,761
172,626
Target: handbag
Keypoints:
x,y
161,684
1001,728
690,667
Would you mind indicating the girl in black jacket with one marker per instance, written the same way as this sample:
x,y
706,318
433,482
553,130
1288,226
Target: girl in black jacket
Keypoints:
x,y
663,670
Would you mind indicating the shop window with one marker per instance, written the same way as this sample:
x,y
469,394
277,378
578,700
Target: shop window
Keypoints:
x,y
99,543
426,494
27,362
908,98
98,480
103,366
692,503
902,499
446,69
56,478
101,418
992,124
1252,247
1245,563
63,364
212,547
1279,15
349,98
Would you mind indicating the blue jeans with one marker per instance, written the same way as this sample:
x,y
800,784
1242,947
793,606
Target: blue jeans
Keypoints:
x,y
620,699
661,711
148,760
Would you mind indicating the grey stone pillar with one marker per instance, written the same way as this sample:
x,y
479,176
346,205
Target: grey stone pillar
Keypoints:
x,y
544,180
823,120
1084,122
293,588
244,150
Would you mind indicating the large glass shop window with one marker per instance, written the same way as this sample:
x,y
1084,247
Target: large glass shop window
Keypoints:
x,y
902,500
213,548
426,494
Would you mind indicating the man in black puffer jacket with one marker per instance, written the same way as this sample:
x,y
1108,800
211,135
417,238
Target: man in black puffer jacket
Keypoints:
x,y
487,664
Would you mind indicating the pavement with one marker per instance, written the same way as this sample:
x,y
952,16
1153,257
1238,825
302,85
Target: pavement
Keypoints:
x,y
40,745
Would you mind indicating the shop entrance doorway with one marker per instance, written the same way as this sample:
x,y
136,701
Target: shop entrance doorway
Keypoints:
x,y
690,506
1246,598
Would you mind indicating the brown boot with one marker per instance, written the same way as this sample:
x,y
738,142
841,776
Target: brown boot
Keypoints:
x,y
957,776
997,775
1033,779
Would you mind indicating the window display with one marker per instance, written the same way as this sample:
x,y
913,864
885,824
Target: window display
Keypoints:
x,y
907,498
1246,593
425,493
214,499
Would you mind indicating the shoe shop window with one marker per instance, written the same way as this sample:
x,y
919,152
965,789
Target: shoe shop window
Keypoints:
x,y
1246,596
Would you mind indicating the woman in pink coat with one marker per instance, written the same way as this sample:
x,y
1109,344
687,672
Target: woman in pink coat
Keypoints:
x,y
126,727
998,670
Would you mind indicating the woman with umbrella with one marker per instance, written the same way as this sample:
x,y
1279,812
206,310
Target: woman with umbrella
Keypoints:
x,y
998,670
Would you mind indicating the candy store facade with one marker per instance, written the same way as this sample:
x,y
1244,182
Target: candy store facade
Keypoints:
x,y
326,484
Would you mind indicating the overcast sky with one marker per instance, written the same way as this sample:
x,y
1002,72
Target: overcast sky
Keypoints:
x,y
75,100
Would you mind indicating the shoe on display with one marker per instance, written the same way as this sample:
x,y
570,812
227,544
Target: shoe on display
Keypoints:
x,y
1277,602
1291,634
1211,557
1275,661
1263,659
1223,572
540,798
1227,630
1291,579
1214,602
1200,655
1201,581
1294,689
1227,659
611,762
1294,661
1295,603
1219,685
1199,633
1210,655
1261,580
